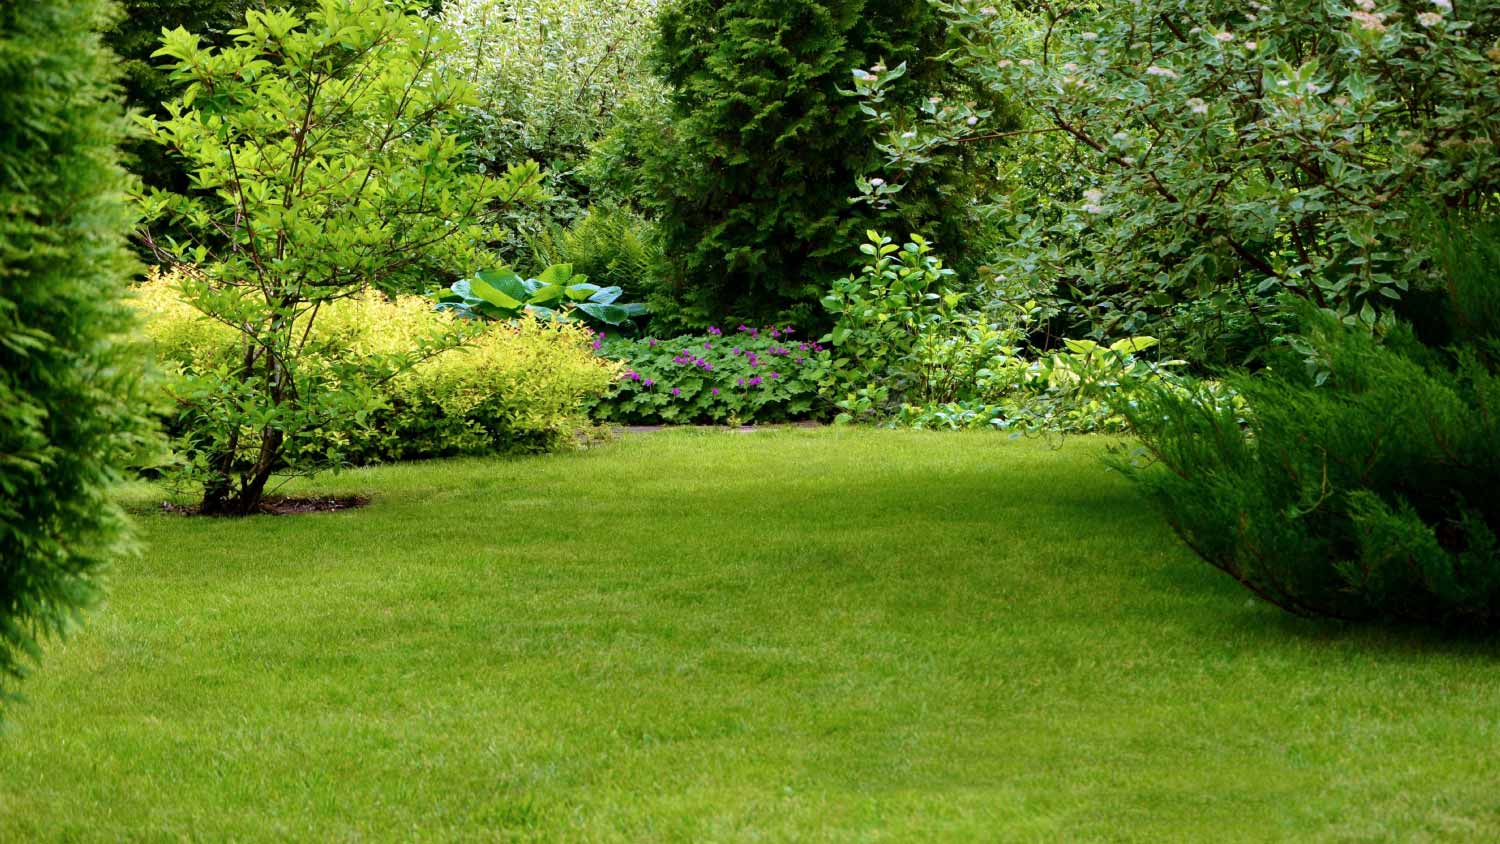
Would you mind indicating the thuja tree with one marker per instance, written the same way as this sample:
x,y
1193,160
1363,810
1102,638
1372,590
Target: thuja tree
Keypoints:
x,y
753,180
71,404
1206,157
319,167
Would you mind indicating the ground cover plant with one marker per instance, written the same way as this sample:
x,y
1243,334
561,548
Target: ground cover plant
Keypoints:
x,y
742,376
834,635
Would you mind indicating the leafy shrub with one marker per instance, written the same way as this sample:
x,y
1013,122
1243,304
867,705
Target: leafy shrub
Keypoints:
x,y
749,375
1357,481
900,294
912,350
519,386
320,165
72,412
1086,388
1195,160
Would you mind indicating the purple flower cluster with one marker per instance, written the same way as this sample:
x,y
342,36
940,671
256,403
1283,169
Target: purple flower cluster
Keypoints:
x,y
701,359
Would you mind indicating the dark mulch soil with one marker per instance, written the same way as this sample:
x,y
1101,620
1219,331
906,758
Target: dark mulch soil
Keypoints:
x,y
285,505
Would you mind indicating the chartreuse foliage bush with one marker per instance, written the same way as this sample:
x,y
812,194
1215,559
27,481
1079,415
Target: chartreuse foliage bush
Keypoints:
x,y
72,411
1214,156
321,167
1358,480
520,386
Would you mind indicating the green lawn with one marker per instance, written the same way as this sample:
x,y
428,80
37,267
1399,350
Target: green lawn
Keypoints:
x,y
820,636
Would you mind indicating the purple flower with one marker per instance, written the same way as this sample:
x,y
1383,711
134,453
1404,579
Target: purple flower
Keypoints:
x,y
598,345
714,330
716,391
676,391
744,327
708,345
649,383
755,382
634,376
775,374
802,346
800,360
786,331
741,382
775,335
651,342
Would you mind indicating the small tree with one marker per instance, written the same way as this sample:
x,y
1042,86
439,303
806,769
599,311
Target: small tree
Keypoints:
x,y
71,404
319,167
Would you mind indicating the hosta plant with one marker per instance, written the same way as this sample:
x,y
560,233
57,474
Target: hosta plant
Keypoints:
x,y
556,294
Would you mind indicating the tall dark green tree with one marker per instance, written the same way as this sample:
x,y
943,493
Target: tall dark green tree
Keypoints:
x,y
70,378
752,182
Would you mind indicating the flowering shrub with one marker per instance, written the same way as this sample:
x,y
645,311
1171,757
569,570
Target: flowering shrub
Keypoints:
x,y
489,388
1196,160
740,376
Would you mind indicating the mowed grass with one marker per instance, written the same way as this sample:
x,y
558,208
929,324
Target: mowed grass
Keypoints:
x,y
798,636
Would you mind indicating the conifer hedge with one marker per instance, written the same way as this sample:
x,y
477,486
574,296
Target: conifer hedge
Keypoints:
x,y
71,398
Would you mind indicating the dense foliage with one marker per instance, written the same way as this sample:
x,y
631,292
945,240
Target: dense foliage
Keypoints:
x,y
503,388
752,177
71,403
911,348
320,168
1358,479
549,77
1184,164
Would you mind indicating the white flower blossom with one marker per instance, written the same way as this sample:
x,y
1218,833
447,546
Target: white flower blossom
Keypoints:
x,y
1429,19
1197,106
1444,6
1223,37
1157,70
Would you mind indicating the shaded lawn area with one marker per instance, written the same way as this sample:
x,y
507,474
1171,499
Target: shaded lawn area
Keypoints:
x,y
819,636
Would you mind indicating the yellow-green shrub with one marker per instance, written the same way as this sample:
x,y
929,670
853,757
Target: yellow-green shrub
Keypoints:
x,y
505,387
